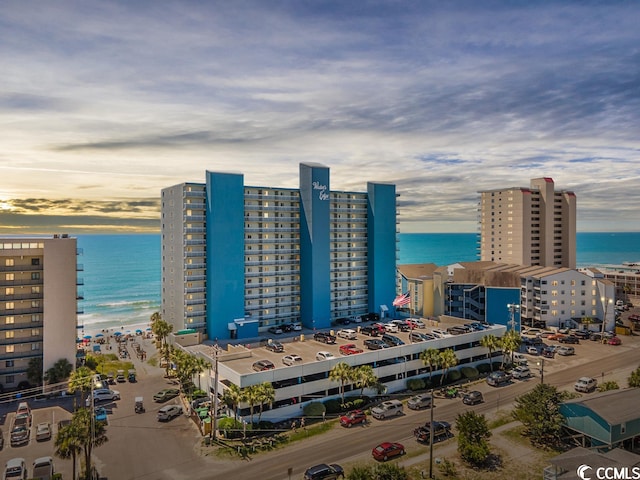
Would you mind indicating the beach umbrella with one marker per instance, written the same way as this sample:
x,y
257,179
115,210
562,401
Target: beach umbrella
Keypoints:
x,y
99,335
117,334
148,329
87,337
138,331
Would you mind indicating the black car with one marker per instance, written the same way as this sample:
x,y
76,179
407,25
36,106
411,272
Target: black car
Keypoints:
x,y
584,334
441,431
391,340
370,317
324,472
548,352
375,344
324,337
343,321
569,339
276,347
472,398
369,330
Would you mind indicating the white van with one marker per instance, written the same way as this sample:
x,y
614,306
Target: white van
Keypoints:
x,y
387,409
519,359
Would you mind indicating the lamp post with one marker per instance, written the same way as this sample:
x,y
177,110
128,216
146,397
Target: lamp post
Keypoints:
x,y
541,365
214,414
512,318
605,303
431,435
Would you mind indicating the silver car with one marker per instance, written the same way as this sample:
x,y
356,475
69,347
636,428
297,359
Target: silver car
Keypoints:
x,y
420,401
168,412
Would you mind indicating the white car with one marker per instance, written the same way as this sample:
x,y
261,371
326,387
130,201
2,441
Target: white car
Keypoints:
x,y
391,327
416,322
15,468
324,356
103,394
296,327
348,334
585,384
532,351
521,372
292,359
439,333
43,468
167,412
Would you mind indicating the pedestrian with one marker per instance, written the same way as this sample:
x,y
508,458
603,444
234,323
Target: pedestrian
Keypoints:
x,y
323,415
294,426
302,424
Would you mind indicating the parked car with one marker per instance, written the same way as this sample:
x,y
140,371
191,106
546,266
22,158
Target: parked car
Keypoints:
x,y
43,469
416,323
495,379
324,472
24,411
403,325
548,351
420,337
441,431
387,409
259,366
274,346
43,431
614,341
585,384
343,321
348,334
564,351
472,398
519,359
101,414
15,468
354,417
168,412
391,340
296,327
439,333
375,344
572,339
20,434
166,394
417,402
583,334
324,356
370,330
103,395
120,378
387,450
391,327
324,337
521,372
292,359
532,350
531,332
350,349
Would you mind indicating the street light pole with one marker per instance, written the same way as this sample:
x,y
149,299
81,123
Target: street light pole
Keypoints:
x,y
541,363
214,420
605,304
431,436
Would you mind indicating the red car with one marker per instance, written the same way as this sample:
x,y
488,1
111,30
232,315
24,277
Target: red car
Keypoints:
x,y
353,418
350,349
614,341
379,327
387,450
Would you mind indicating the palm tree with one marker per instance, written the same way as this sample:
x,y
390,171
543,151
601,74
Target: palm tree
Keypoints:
x,y
161,330
343,373
491,343
90,434
431,358
365,377
266,394
448,360
232,397
67,445
200,366
81,379
250,395
509,343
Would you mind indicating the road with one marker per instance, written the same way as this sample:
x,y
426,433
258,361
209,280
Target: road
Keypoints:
x,y
141,448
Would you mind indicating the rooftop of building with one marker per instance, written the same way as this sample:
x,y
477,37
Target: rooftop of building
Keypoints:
x,y
615,406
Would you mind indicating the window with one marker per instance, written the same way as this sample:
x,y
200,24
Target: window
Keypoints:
x,y
35,261
35,318
9,306
8,363
35,303
10,276
35,289
35,332
35,346
10,349
9,320
35,276
9,379
9,334
9,291
9,262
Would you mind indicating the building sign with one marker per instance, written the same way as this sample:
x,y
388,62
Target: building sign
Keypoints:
x,y
322,194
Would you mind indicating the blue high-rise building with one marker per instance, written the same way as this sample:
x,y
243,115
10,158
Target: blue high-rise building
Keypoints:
x,y
237,259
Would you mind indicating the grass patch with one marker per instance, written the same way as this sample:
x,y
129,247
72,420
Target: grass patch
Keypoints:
x,y
310,431
515,434
502,418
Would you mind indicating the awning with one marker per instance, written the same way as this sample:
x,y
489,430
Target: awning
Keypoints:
x,y
232,326
384,308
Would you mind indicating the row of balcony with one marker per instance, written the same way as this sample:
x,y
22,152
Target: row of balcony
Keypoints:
x,y
20,324
272,273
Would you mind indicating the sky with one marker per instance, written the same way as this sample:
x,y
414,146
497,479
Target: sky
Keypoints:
x,y
104,103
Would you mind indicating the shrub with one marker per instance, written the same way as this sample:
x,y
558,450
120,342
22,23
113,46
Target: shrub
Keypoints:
x,y
470,373
496,365
416,384
333,405
314,409
453,376
434,382
484,368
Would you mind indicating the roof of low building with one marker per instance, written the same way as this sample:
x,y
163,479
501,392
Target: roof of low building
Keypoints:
x,y
418,271
614,406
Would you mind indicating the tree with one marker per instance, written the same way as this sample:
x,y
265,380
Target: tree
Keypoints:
x,y
491,343
266,395
365,377
251,396
232,397
473,436
81,379
448,360
60,371
509,343
34,370
634,378
431,358
161,330
539,412
343,373
67,445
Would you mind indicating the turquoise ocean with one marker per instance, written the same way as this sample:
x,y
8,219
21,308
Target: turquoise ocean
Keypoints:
x,y
122,272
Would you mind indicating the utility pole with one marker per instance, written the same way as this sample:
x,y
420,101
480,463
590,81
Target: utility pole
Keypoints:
x,y
431,436
214,420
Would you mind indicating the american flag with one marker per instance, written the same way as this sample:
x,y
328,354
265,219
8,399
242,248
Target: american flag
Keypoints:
x,y
402,300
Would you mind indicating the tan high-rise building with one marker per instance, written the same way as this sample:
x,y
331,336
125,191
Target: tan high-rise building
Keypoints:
x,y
529,226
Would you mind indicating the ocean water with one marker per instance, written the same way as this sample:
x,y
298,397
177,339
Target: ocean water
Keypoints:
x,y
122,272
